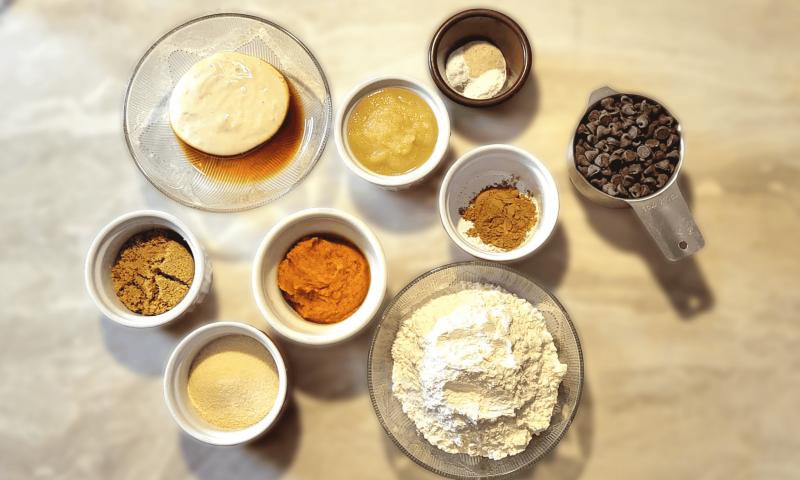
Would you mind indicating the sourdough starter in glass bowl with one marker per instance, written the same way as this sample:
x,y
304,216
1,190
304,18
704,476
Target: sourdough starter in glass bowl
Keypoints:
x,y
225,184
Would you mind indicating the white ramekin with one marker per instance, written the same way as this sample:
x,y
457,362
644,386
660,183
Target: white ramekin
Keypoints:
x,y
490,165
176,379
273,249
393,182
103,253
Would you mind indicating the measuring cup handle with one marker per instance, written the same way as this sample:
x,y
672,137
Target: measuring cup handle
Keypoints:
x,y
670,223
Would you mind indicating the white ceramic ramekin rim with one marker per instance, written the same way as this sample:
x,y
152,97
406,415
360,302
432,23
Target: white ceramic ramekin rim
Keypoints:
x,y
543,230
426,93
178,365
110,305
328,334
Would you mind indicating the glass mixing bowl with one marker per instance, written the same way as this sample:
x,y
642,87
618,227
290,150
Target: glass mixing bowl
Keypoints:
x,y
219,184
402,430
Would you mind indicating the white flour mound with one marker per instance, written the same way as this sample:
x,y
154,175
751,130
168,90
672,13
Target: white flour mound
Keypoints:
x,y
476,371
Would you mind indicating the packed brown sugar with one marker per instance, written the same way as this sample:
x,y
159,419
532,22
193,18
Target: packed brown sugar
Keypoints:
x,y
153,272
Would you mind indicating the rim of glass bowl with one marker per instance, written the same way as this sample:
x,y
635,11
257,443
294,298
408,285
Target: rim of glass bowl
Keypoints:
x,y
260,203
372,348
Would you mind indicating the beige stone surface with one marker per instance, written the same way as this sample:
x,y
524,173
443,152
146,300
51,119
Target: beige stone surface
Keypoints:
x,y
692,368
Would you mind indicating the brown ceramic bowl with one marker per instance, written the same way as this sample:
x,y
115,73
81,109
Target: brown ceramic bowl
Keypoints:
x,y
493,27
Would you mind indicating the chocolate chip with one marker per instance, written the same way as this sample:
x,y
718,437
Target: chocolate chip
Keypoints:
x,y
627,109
662,165
582,161
627,122
593,170
594,115
592,154
662,133
646,190
612,141
624,140
649,181
616,179
622,190
630,156
602,160
658,154
643,151
661,180
603,131
674,154
650,170
636,190
635,169
592,139
672,140
642,121
606,172
625,99
607,103
665,120
592,128
628,180
579,150
652,143
633,132
584,170
610,189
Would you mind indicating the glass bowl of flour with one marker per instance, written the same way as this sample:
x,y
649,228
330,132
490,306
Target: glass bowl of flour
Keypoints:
x,y
481,333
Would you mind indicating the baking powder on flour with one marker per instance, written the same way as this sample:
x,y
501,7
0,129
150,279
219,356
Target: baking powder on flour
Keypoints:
x,y
476,371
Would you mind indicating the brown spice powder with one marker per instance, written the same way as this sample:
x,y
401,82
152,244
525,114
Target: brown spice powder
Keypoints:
x,y
153,272
501,216
481,57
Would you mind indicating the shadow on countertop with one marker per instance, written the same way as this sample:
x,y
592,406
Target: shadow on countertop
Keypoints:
x,y
682,281
499,124
412,209
147,350
336,371
547,266
265,458
565,462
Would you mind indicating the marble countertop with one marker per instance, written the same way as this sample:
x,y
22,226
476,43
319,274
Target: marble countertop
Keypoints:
x,y
692,368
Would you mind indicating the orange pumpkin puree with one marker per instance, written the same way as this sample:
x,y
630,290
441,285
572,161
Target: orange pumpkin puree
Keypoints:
x,y
324,279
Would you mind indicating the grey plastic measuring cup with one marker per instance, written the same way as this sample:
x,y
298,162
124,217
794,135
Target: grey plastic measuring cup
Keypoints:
x,y
665,213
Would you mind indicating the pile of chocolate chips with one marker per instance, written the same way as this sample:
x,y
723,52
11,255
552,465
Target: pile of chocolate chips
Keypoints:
x,y
630,148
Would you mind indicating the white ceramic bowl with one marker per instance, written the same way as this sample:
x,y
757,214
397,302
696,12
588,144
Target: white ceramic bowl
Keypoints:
x,y
176,379
490,165
103,253
273,249
395,182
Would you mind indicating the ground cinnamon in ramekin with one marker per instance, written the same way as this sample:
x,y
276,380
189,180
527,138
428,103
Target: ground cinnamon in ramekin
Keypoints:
x,y
501,216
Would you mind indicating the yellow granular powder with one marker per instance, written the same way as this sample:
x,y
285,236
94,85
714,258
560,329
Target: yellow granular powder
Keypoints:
x,y
233,382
